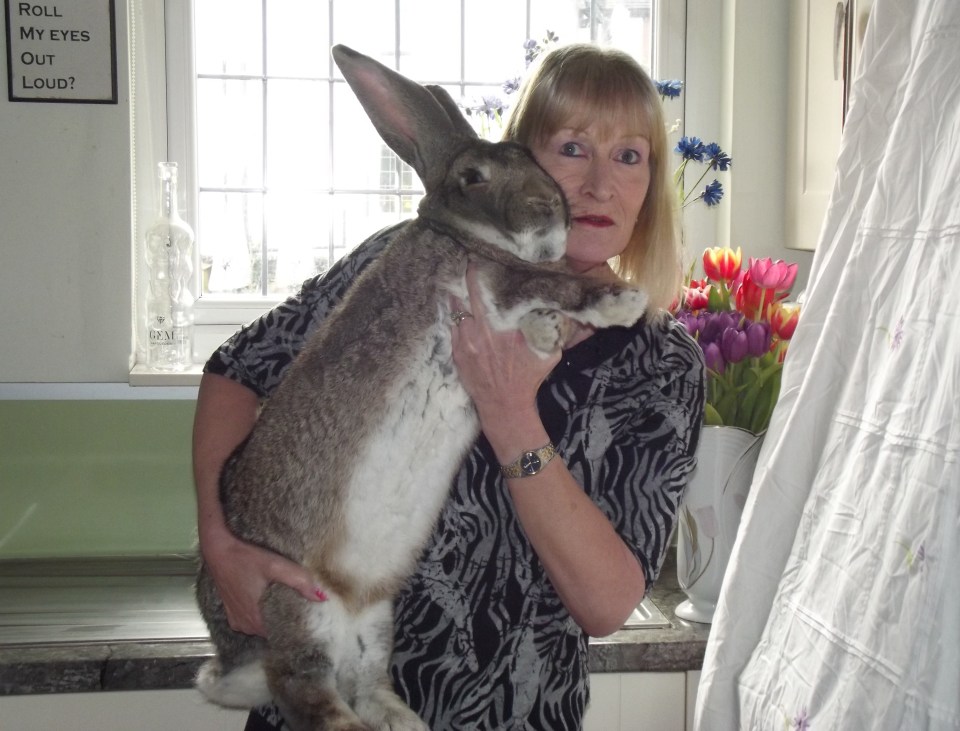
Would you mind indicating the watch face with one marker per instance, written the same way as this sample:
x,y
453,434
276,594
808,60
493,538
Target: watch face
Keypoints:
x,y
530,463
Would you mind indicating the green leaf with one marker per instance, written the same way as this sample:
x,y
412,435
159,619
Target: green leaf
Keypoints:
x,y
766,401
711,417
715,301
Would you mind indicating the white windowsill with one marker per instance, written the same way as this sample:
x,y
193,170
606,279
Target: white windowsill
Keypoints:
x,y
141,375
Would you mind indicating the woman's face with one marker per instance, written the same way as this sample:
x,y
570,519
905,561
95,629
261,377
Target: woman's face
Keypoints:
x,y
605,180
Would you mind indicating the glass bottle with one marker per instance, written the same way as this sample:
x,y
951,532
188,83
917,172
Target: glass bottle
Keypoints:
x,y
170,297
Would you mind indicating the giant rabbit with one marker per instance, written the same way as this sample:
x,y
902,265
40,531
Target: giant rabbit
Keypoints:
x,y
351,459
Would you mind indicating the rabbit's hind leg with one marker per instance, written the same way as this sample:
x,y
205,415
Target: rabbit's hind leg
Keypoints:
x,y
301,661
235,677
376,702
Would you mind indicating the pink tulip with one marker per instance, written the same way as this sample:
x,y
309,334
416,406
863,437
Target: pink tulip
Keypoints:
x,y
776,275
721,264
697,295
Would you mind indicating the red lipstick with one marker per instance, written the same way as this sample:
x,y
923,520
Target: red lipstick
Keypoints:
x,y
598,221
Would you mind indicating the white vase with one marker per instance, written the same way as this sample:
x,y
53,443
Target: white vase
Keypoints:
x,y
710,515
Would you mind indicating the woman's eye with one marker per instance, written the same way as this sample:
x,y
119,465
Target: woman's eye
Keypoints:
x,y
571,149
631,157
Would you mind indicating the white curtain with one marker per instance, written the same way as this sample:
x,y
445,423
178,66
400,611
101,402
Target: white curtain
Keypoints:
x,y
841,606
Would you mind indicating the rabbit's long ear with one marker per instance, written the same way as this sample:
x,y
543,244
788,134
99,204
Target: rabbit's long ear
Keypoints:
x,y
408,117
453,111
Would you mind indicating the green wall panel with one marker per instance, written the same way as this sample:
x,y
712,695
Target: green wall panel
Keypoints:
x,y
94,478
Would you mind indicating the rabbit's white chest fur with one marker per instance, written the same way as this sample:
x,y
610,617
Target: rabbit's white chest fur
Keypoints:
x,y
404,471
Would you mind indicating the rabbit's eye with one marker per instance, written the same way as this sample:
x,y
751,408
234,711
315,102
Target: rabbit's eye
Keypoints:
x,y
473,176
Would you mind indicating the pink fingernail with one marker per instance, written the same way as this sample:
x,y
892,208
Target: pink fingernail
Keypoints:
x,y
321,595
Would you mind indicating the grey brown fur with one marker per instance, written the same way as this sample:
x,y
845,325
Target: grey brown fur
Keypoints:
x,y
351,459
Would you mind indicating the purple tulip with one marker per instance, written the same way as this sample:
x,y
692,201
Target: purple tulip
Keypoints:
x,y
713,357
690,321
758,339
713,326
733,345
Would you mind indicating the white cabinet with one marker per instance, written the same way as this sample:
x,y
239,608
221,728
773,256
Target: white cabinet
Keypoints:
x,y
693,682
619,702
637,702
148,710
814,117
825,41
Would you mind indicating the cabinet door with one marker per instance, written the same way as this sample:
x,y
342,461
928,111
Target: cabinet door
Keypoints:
x,y
603,713
147,710
693,685
636,702
814,115
825,41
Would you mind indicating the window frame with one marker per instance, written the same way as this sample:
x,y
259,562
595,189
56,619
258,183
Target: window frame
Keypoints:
x,y
218,317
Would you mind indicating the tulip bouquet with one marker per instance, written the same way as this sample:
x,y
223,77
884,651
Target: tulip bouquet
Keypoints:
x,y
742,321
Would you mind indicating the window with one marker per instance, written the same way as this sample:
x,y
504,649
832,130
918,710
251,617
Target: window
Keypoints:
x,y
281,170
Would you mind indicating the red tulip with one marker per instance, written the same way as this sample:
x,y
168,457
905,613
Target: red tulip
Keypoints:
x,y
775,275
783,319
750,299
721,264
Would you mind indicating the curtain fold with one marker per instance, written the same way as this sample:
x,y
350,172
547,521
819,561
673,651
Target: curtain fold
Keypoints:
x,y
841,607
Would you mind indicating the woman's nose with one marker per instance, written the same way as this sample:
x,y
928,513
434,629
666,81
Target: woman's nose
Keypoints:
x,y
597,181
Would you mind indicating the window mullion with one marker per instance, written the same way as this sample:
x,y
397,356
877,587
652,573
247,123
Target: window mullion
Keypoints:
x,y
264,169
345,190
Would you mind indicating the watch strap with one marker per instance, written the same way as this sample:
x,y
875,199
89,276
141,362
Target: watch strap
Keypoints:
x,y
530,463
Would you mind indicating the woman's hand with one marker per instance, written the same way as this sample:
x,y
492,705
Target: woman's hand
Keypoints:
x,y
497,368
597,577
242,571
226,412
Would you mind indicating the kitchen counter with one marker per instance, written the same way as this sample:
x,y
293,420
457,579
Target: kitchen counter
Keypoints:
x,y
75,625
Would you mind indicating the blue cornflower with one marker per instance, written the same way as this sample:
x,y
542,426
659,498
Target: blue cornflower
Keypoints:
x,y
712,193
533,50
669,89
511,86
691,148
715,157
492,106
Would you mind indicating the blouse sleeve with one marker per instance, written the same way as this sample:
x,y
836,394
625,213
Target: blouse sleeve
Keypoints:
x,y
648,464
259,354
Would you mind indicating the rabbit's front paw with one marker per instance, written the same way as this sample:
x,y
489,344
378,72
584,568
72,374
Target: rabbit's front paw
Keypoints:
x,y
545,330
385,711
622,307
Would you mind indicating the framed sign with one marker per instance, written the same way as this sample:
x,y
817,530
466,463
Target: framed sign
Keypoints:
x,y
62,51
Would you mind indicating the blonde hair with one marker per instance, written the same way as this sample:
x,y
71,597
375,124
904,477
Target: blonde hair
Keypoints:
x,y
583,84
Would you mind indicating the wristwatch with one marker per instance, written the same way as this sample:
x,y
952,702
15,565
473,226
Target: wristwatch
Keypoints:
x,y
530,463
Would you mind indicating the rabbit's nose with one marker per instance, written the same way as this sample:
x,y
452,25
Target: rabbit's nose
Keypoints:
x,y
546,206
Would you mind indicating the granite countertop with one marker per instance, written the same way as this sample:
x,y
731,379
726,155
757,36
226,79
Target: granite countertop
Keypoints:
x,y
75,625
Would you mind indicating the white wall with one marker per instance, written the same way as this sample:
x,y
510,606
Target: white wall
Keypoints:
x,y
65,195
737,54
65,284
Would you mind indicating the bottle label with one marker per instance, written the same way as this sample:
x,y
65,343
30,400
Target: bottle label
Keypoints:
x,y
161,330
159,335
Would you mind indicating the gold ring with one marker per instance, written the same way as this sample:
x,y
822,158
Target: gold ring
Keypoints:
x,y
459,316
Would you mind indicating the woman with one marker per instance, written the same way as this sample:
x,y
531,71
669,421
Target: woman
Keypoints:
x,y
492,629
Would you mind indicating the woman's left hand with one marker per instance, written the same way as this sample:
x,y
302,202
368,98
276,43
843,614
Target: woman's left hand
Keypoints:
x,y
597,577
497,368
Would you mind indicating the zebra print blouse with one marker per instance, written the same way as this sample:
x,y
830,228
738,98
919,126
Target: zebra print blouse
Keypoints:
x,y
482,639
